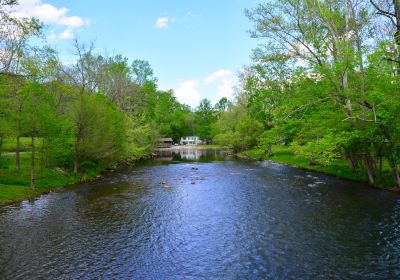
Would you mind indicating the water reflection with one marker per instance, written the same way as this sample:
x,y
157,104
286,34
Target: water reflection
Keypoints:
x,y
216,220
188,154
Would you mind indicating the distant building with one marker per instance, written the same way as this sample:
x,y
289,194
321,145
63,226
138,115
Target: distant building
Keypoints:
x,y
190,140
164,142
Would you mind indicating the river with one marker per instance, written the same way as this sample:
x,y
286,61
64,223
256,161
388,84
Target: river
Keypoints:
x,y
194,214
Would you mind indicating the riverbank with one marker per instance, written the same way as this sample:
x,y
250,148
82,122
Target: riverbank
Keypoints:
x,y
15,186
339,168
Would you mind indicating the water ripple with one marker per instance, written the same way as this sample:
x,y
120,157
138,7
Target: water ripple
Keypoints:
x,y
238,220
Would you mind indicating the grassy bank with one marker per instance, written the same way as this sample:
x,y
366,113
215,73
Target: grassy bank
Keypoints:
x,y
10,144
210,146
339,168
15,186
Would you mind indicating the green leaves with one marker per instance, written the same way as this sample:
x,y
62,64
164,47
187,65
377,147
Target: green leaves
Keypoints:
x,y
320,84
322,151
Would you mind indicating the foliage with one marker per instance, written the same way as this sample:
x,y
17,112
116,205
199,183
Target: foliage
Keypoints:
x,y
320,85
236,129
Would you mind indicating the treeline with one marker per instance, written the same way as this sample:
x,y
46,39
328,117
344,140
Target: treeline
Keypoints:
x,y
95,112
324,81
92,113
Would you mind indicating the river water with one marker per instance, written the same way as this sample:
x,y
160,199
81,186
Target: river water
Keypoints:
x,y
194,215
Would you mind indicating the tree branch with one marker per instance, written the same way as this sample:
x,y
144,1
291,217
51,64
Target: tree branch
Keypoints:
x,y
381,11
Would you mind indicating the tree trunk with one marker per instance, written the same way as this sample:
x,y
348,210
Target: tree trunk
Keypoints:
x,y
76,165
17,154
42,157
396,4
1,144
353,161
396,176
270,149
345,82
369,167
33,163
395,170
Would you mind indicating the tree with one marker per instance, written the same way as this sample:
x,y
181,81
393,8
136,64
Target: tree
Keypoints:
x,y
329,40
6,103
35,118
142,72
36,113
221,105
115,81
12,104
236,129
14,35
205,116
390,10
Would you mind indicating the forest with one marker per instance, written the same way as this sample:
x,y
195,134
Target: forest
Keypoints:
x,y
323,86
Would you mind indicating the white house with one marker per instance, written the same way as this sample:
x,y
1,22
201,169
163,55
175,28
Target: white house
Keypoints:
x,y
190,140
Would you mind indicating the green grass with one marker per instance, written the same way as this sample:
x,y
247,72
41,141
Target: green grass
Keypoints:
x,y
339,168
10,144
253,154
15,186
10,193
212,146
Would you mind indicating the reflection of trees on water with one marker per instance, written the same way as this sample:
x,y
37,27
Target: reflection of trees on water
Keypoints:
x,y
189,155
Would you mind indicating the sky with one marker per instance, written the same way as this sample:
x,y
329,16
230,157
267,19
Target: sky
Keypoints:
x,y
196,47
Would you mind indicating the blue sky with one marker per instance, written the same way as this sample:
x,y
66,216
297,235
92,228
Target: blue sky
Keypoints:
x,y
195,47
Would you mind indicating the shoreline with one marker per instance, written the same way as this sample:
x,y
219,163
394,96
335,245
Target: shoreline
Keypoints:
x,y
72,181
246,155
18,198
317,168
39,193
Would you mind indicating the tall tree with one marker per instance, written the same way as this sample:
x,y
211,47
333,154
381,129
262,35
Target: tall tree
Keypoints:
x,y
205,115
390,9
14,35
142,72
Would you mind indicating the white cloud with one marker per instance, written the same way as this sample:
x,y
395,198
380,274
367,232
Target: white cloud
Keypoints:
x,y
188,93
162,22
49,14
218,84
226,88
217,75
66,34
225,80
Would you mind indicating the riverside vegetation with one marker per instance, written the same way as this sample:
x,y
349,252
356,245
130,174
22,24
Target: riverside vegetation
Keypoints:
x,y
323,90
322,93
63,123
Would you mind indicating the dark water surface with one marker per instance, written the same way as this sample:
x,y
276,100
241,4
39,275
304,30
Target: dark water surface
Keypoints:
x,y
211,220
